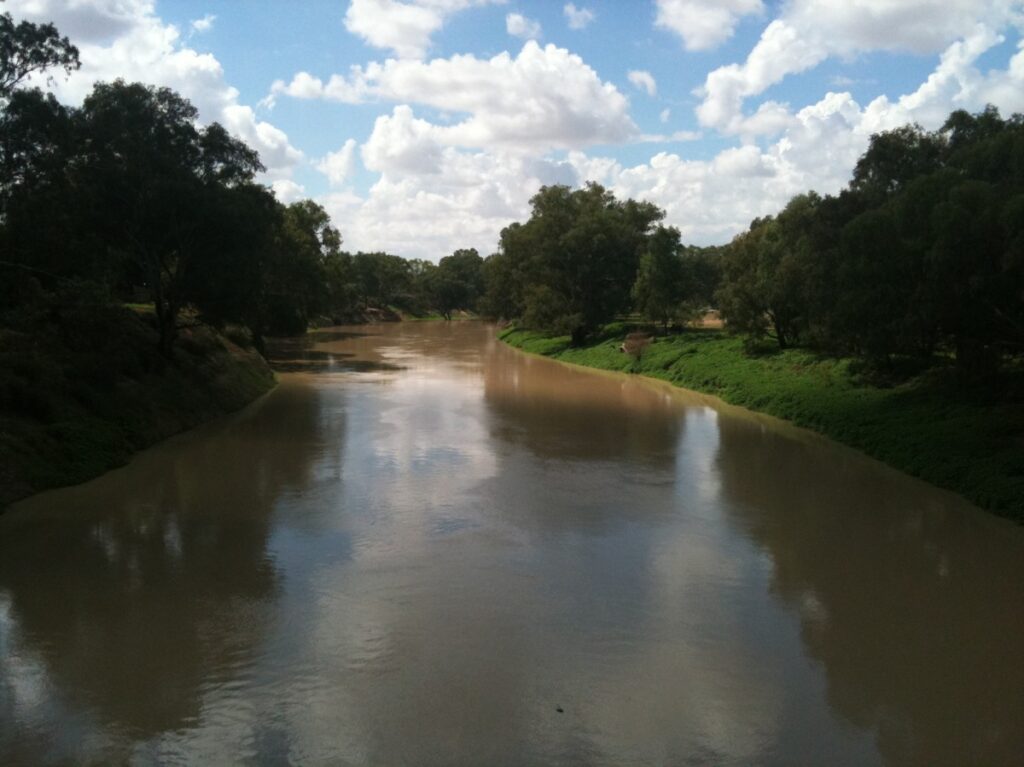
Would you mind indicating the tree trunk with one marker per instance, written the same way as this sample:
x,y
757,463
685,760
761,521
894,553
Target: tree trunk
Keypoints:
x,y
780,334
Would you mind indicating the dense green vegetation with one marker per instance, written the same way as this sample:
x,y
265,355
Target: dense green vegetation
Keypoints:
x,y
918,262
921,257
84,385
928,426
583,256
129,198
127,202
894,310
896,307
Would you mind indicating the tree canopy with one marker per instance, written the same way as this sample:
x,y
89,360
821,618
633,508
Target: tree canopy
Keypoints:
x,y
576,257
921,255
131,197
27,48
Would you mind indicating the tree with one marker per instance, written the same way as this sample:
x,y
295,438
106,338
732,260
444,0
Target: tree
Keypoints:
x,y
701,267
231,284
41,226
34,138
659,289
295,280
149,172
578,256
339,275
742,296
923,252
502,296
966,276
893,159
962,129
381,279
26,48
457,282
874,287
765,287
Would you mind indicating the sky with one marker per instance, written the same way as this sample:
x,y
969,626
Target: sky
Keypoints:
x,y
424,126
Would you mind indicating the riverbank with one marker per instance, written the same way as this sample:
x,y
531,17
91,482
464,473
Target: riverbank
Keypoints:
x,y
85,387
966,441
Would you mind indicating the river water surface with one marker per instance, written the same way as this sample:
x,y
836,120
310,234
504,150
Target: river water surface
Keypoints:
x,y
426,548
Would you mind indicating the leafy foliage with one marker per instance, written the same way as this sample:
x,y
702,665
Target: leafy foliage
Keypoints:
x,y
920,257
26,48
572,265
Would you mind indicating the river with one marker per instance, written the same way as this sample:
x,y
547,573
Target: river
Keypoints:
x,y
427,548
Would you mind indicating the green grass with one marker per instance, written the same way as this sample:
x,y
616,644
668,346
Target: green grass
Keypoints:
x,y
967,441
83,388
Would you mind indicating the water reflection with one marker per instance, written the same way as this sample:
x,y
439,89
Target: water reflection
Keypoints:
x,y
129,597
305,354
566,413
911,600
451,553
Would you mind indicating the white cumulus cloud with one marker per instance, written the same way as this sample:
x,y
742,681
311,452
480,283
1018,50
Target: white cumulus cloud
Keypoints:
x,y
339,166
704,24
288,191
460,199
405,28
204,24
85,21
518,25
643,81
817,147
432,198
577,18
810,31
542,99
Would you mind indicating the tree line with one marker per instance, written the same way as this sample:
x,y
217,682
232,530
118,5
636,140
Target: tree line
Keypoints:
x,y
127,198
584,258
920,258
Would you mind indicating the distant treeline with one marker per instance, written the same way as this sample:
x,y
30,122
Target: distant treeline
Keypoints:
x,y
126,199
922,255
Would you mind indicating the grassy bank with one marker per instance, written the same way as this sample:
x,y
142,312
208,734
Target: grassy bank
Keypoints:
x,y
970,442
84,387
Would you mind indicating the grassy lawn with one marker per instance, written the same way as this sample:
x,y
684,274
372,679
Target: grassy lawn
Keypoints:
x,y
967,441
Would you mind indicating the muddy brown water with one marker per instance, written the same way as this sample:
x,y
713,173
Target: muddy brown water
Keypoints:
x,y
427,548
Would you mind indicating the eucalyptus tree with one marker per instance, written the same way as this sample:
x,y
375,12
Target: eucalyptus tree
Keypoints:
x,y
457,283
150,174
577,256
659,290
27,49
35,137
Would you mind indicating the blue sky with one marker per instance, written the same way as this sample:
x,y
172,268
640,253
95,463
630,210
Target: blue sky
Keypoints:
x,y
426,125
